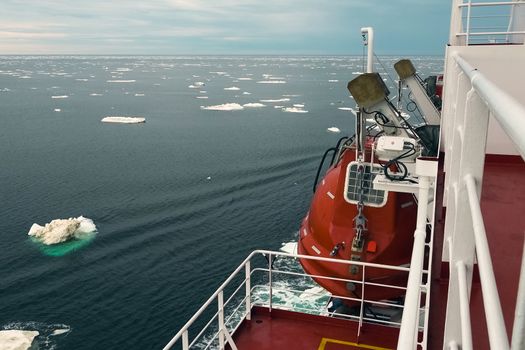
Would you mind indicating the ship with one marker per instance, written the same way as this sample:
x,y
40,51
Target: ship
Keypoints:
x,y
416,230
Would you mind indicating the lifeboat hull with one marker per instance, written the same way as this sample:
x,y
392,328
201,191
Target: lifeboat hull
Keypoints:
x,y
388,240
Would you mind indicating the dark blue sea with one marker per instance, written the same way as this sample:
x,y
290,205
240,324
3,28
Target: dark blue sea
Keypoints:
x,y
178,201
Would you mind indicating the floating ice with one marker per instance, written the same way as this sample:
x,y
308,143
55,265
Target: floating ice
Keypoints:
x,y
246,93
199,83
271,82
193,86
298,105
123,120
123,70
202,97
139,95
95,94
294,110
57,110
14,339
82,79
121,81
357,73
276,100
289,247
253,105
233,88
333,81
61,230
333,129
244,78
60,96
224,107
5,90
348,109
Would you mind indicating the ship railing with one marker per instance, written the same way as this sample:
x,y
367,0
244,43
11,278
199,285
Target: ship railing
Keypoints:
x,y
489,22
262,282
476,99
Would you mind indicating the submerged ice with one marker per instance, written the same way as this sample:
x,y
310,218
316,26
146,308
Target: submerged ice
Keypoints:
x,y
62,230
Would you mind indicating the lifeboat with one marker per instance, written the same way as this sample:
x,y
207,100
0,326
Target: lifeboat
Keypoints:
x,y
353,219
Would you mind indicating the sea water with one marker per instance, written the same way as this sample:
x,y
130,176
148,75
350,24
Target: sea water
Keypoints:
x,y
224,164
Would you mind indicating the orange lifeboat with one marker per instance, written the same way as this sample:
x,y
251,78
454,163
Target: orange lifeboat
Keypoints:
x,y
329,230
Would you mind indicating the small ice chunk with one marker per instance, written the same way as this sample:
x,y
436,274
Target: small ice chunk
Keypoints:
x,y
208,178
82,79
244,78
224,107
233,88
121,81
334,129
95,94
57,110
123,120
294,110
254,105
298,105
202,97
60,331
333,81
271,82
246,93
289,247
348,109
59,96
14,339
276,100
199,83
139,95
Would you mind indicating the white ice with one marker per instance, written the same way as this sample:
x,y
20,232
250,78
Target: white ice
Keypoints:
x,y
254,105
233,88
277,100
244,78
298,105
333,81
348,109
246,93
61,230
224,107
95,94
16,339
123,120
139,95
294,110
334,129
202,97
57,110
271,82
60,96
121,81
289,247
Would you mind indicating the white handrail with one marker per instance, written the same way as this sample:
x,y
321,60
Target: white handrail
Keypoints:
x,y
491,302
509,112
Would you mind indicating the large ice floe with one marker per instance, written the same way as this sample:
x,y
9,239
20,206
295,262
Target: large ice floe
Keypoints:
x,y
13,339
62,230
224,107
123,120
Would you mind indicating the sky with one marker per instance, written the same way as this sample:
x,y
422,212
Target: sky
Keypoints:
x,y
179,27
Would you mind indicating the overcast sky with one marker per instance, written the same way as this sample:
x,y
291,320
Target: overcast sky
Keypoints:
x,y
221,26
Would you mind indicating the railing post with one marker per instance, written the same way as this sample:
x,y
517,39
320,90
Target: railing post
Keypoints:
x,y
248,291
270,280
362,310
220,298
518,331
469,153
185,340
464,305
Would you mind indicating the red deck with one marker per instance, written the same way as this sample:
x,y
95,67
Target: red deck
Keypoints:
x,y
502,203
296,331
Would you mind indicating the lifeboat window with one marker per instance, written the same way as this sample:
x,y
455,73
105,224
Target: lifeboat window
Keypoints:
x,y
362,185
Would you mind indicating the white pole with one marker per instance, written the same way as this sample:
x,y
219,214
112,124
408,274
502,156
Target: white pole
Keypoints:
x,y
409,324
464,307
518,331
248,292
220,299
370,43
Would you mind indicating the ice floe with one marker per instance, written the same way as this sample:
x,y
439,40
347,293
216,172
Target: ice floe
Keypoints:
x,y
123,120
254,105
60,96
334,129
121,81
82,79
275,100
202,97
232,88
61,230
271,82
95,94
246,93
289,247
13,339
333,81
224,107
298,105
139,95
348,109
294,110
244,78
57,110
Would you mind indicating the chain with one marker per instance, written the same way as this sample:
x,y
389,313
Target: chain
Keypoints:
x,y
360,218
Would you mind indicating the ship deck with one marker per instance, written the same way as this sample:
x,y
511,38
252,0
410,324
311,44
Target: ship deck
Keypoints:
x,y
502,204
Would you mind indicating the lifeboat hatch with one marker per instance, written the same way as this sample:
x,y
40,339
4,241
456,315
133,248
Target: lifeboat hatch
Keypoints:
x,y
359,184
